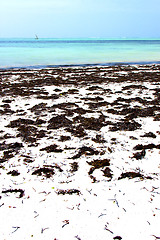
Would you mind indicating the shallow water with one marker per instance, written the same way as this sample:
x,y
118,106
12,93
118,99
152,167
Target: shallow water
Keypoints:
x,y
51,52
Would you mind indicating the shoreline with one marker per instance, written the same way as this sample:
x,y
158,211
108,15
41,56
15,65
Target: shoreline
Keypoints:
x,y
111,64
79,153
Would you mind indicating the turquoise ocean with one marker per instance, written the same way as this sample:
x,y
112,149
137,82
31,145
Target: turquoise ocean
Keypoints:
x,y
37,53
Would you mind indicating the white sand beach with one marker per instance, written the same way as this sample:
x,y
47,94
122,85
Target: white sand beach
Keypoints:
x,y
80,153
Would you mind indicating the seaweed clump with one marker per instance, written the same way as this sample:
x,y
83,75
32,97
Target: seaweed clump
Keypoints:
x,y
91,123
65,138
15,146
125,126
13,173
107,173
68,191
117,238
47,172
85,150
9,150
139,155
21,191
52,148
148,146
74,167
98,139
30,133
150,134
58,122
96,164
19,122
131,175
77,131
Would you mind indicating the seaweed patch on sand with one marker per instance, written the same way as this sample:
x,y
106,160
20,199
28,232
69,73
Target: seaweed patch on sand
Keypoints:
x,y
79,153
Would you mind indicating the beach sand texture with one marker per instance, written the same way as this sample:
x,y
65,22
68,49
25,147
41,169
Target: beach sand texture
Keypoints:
x,y
80,153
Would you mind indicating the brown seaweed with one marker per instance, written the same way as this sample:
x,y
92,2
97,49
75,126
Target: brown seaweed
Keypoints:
x,y
131,175
148,146
74,167
98,139
91,123
15,191
96,164
52,148
77,131
125,126
68,191
85,150
107,173
47,172
13,173
139,155
58,122
65,138
117,238
15,146
149,134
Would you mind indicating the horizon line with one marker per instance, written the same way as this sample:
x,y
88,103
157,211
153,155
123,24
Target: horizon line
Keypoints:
x,y
96,38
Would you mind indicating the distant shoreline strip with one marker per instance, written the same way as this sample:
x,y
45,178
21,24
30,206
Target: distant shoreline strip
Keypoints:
x,y
81,65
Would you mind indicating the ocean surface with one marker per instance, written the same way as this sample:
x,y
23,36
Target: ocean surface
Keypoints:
x,y
57,52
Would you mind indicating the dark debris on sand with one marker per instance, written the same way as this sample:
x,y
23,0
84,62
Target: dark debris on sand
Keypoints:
x,y
9,150
65,108
68,191
139,155
20,191
85,150
13,173
131,175
52,148
74,167
47,172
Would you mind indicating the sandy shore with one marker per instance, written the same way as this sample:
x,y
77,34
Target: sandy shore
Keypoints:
x,y
80,153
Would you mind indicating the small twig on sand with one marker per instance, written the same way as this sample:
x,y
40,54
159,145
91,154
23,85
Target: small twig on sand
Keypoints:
x,y
102,214
108,229
78,237
36,214
43,229
16,228
115,200
65,223
156,237
89,191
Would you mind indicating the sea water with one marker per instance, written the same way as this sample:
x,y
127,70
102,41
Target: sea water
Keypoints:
x,y
59,52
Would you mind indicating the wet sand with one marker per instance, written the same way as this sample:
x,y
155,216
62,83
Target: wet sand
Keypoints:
x,y
79,153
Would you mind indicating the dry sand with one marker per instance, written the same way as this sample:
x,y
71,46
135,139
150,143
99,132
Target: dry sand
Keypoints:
x,y
79,153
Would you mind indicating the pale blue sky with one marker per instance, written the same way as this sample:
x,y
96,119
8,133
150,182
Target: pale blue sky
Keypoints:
x,y
80,18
